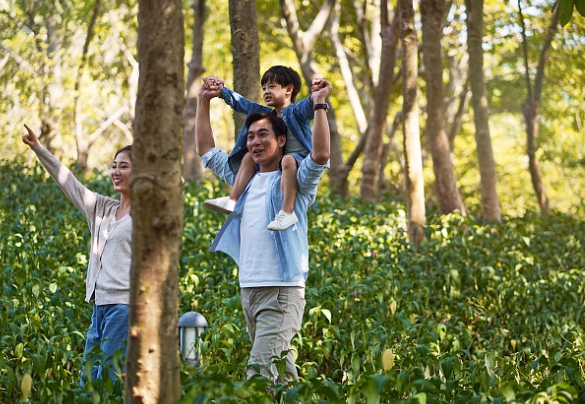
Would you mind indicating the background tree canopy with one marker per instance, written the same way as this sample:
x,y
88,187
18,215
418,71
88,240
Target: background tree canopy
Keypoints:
x,y
70,69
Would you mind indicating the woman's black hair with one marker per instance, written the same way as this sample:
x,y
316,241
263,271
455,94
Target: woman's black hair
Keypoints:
x,y
123,150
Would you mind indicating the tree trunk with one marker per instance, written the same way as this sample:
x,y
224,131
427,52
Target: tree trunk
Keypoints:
x,y
415,191
192,166
152,364
377,121
246,53
52,89
445,184
83,144
303,43
490,204
532,105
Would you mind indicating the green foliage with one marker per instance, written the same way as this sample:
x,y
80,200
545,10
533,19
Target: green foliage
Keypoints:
x,y
478,313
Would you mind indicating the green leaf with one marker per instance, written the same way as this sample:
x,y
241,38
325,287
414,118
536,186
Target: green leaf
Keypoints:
x,y
18,350
327,314
566,10
580,6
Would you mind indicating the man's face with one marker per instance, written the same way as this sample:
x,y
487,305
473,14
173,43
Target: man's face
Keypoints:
x,y
265,149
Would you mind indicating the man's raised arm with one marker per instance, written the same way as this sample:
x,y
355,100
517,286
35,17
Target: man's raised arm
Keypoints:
x,y
203,133
321,89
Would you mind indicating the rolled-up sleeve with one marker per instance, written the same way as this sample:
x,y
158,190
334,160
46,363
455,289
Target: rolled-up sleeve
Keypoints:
x,y
217,161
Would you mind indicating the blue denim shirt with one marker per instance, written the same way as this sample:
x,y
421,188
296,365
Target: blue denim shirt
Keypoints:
x,y
292,244
297,117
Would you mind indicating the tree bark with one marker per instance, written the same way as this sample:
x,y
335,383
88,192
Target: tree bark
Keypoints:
x,y
377,121
490,204
192,166
83,144
303,43
152,364
414,180
52,88
531,107
445,184
246,53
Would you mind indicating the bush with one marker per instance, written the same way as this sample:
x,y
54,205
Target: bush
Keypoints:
x,y
478,313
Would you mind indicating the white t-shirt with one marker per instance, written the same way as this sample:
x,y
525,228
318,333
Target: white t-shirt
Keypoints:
x,y
259,264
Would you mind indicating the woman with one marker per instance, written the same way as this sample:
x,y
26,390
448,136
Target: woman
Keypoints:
x,y
108,271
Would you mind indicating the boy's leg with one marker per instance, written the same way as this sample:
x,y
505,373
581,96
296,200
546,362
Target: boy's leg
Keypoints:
x,y
289,183
226,204
245,174
287,217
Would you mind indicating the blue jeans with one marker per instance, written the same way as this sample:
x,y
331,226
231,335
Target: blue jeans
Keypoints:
x,y
107,334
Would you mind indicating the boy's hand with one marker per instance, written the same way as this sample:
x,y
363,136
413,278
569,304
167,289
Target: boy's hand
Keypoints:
x,y
210,88
30,138
320,90
213,83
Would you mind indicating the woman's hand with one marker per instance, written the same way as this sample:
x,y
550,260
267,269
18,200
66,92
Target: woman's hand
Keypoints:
x,y
30,139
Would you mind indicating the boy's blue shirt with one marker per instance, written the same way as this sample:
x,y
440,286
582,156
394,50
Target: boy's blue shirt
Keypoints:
x,y
297,117
292,244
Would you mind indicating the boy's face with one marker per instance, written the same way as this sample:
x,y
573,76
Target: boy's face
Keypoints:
x,y
276,95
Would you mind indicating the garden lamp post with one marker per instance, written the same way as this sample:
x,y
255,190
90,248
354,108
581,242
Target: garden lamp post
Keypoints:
x,y
191,326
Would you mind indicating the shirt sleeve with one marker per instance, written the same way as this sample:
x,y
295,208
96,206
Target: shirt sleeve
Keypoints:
x,y
217,161
303,110
240,103
83,198
309,175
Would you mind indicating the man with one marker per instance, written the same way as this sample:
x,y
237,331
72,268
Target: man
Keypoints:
x,y
273,266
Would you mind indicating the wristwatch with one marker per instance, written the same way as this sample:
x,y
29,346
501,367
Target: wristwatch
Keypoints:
x,y
321,106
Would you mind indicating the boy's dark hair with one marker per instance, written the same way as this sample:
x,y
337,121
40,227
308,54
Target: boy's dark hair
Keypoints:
x,y
284,76
278,125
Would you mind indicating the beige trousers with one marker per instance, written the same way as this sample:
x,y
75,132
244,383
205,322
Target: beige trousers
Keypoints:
x,y
273,315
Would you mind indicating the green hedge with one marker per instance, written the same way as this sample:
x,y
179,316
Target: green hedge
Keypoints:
x,y
478,313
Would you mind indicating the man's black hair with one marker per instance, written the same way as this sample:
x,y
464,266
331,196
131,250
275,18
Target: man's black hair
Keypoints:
x,y
284,76
278,125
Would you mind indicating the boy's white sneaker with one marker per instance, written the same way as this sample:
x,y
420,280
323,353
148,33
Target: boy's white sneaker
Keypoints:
x,y
282,221
221,205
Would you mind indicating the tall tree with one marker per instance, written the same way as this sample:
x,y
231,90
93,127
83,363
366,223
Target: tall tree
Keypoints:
x,y
83,144
377,122
531,106
192,166
432,13
489,195
303,42
414,180
50,70
152,362
246,53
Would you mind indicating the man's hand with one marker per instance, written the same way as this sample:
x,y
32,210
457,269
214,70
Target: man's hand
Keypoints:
x,y
320,90
30,139
210,88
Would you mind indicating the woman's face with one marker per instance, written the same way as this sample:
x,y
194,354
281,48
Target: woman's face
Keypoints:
x,y
120,172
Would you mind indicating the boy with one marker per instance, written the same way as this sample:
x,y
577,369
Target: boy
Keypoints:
x,y
280,85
